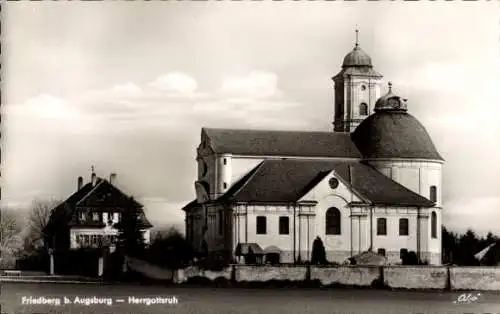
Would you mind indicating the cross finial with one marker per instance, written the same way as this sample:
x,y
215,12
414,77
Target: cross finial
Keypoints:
x,y
357,33
390,86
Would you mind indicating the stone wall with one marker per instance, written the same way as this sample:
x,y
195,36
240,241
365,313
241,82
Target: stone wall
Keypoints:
x,y
347,275
266,273
404,277
416,277
475,278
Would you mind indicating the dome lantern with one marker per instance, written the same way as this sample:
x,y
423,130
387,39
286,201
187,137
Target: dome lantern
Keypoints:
x,y
391,102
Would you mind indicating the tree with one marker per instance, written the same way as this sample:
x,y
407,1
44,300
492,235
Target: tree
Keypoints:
x,y
318,255
10,239
130,234
38,218
170,249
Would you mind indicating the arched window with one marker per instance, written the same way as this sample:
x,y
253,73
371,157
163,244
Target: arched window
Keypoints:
x,y
434,225
381,226
332,221
433,193
363,109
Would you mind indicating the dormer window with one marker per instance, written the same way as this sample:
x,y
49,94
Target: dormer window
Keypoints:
x,y
95,216
83,216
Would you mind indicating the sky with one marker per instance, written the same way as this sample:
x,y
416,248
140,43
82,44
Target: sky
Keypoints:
x,y
127,86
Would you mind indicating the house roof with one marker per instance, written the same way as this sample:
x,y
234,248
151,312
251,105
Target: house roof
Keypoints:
x,y
288,180
281,143
102,195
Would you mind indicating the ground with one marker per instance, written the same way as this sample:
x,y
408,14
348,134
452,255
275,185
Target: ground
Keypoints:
x,y
206,300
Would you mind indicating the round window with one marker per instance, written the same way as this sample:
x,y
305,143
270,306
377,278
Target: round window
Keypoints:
x,y
334,183
363,87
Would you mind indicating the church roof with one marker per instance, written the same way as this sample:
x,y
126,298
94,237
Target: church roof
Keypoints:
x,y
289,180
358,71
281,143
356,58
394,134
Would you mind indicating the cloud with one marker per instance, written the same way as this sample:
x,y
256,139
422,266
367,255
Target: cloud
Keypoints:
x,y
176,83
257,84
130,129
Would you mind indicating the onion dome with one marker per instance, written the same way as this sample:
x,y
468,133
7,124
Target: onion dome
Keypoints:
x,y
357,57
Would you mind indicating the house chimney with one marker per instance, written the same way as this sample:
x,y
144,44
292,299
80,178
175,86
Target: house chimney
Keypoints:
x,y
93,177
80,183
112,178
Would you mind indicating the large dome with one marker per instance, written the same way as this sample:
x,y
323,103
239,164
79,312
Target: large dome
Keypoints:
x,y
357,58
393,133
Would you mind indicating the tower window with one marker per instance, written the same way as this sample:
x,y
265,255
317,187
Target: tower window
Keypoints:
x,y
261,225
363,87
225,161
381,226
225,185
434,225
403,226
363,109
433,193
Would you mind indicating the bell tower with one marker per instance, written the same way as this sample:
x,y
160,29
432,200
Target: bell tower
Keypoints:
x,y
357,88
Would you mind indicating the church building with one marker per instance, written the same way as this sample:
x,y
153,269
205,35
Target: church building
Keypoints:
x,y
373,183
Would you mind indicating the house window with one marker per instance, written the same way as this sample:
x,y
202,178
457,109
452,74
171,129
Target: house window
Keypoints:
x,y
433,193
381,252
221,222
95,216
363,109
403,253
403,226
332,221
86,240
261,225
83,216
434,225
381,226
284,225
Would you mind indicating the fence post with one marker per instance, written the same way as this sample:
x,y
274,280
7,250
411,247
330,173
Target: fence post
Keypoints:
x,y
381,276
233,273
448,279
51,257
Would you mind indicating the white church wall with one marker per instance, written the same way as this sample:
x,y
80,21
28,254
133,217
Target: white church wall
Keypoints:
x,y
393,242
416,175
338,247
245,218
241,166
